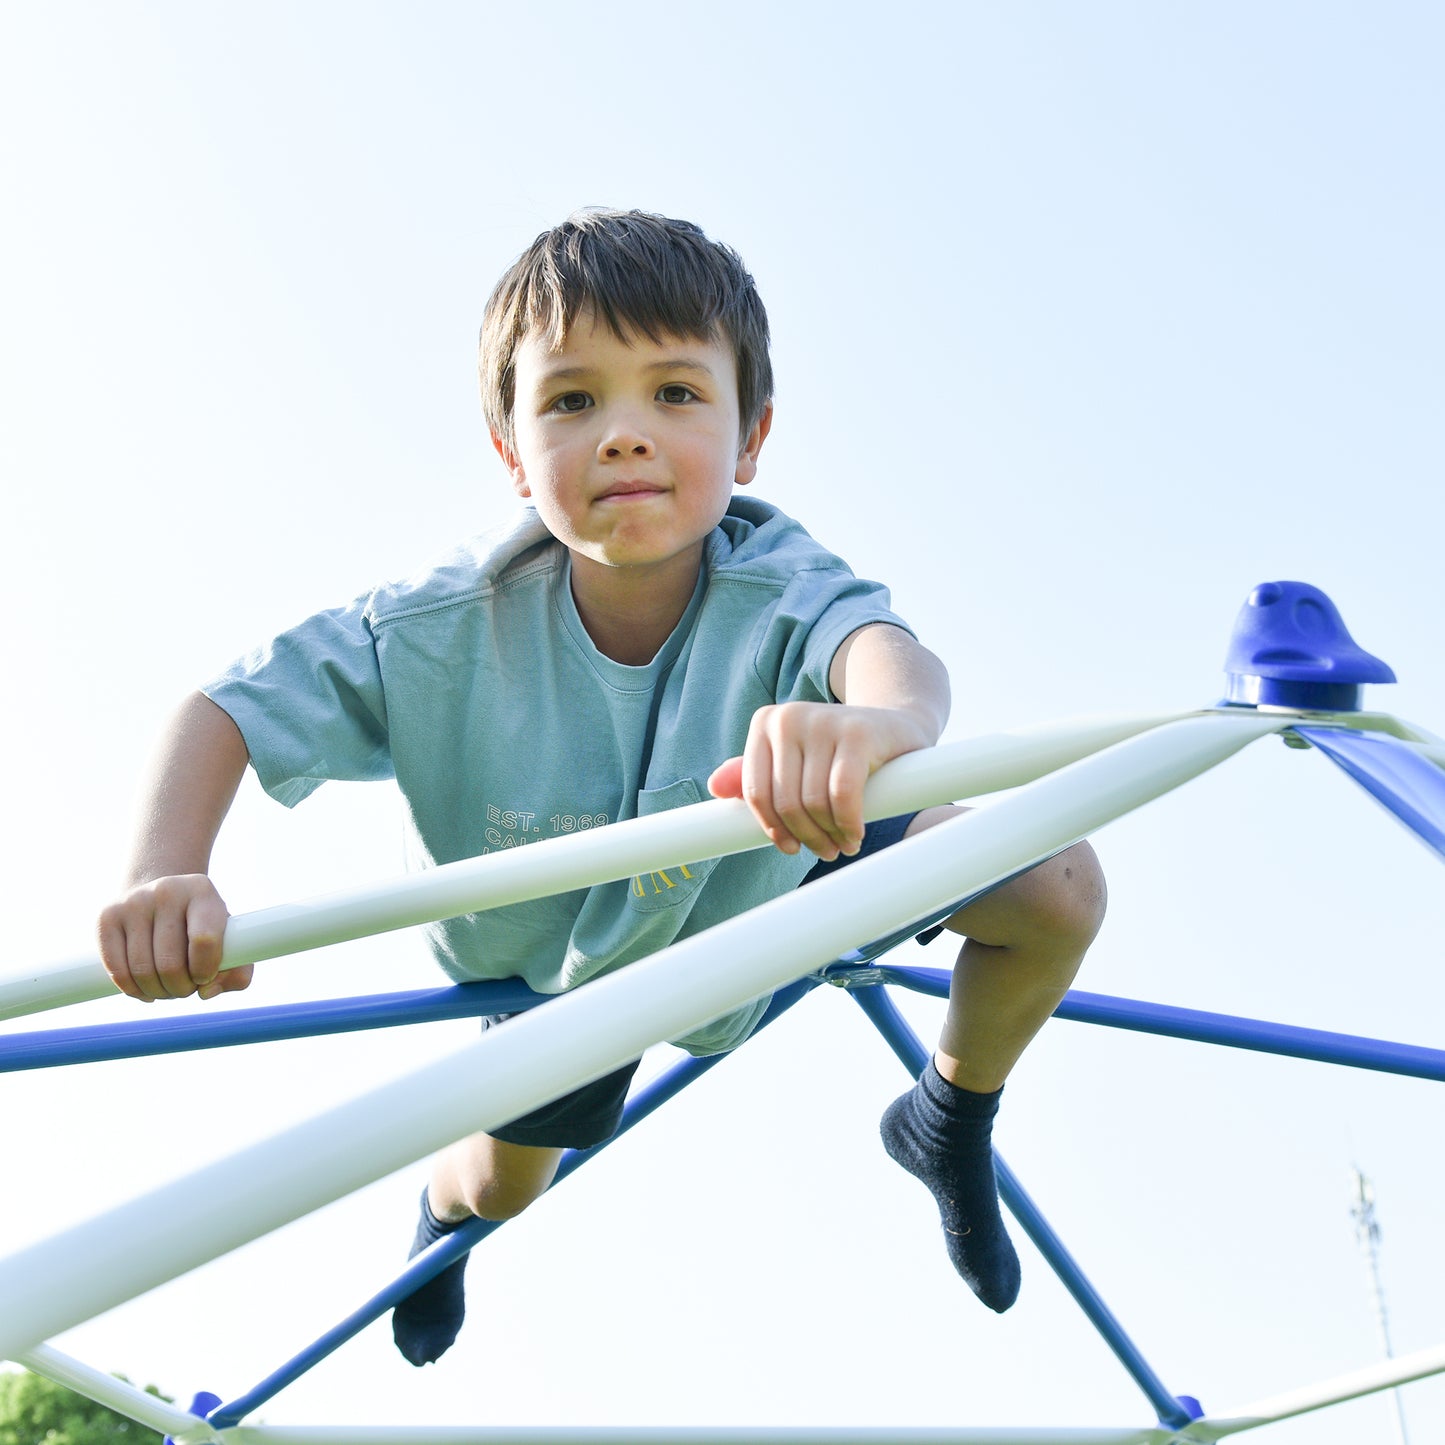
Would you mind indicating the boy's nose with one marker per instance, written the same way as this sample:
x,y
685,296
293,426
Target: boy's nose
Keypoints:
x,y
624,439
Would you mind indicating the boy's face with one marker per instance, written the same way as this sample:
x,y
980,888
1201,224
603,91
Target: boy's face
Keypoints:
x,y
629,450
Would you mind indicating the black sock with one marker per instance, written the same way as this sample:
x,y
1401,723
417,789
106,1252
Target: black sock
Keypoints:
x,y
942,1134
425,1324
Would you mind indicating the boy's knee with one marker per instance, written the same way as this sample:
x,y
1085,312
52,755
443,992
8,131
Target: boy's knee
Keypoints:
x,y
496,1180
1058,906
499,1199
1070,896
1062,900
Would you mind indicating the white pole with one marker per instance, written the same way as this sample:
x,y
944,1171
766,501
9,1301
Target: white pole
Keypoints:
x,y
681,1435
53,986
1383,1376
624,850
578,1036
149,1410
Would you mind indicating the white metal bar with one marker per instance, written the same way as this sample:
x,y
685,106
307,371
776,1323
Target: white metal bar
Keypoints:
x,y
117,1395
680,1435
1431,744
641,845
1367,1381
578,1036
53,986
1365,722
1416,739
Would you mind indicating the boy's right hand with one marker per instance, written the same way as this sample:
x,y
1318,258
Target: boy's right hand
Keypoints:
x,y
163,940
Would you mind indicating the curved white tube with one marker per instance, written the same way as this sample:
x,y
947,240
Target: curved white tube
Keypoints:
x,y
1383,1375
685,1435
73,1276
642,845
116,1394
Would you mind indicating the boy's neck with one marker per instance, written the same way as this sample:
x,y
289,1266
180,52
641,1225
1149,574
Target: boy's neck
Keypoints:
x,y
629,612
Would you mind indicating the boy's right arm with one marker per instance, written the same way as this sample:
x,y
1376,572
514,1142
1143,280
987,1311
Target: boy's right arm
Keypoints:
x,y
163,938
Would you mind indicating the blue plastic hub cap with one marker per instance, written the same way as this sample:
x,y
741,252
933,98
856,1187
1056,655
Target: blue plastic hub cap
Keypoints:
x,y
1291,648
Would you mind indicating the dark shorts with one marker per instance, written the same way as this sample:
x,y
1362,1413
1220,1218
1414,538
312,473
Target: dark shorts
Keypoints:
x,y
592,1113
577,1120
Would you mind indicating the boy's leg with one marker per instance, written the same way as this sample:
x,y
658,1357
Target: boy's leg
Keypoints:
x,y
1023,945
479,1177
497,1177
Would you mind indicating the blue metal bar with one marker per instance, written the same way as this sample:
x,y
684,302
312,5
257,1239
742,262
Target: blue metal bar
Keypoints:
x,y
50,1048
432,1261
201,1402
1393,773
1172,1412
931,981
145,1038
1412,1061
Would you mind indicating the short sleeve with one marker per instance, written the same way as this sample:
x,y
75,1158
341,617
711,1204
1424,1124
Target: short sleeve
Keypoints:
x,y
798,599
817,611
311,705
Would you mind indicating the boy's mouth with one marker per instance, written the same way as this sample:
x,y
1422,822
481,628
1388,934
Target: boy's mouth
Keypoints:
x,y
623,491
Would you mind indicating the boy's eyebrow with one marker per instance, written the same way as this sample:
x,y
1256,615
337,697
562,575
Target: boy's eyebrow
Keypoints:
x,y
673,363
682,363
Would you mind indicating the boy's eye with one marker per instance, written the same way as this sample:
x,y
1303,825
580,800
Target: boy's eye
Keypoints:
x,y
675,393
572,401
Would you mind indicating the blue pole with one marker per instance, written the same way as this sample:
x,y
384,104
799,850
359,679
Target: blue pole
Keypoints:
x,y
431,1262
1411,1060
1393,773
50,1048
1172,1412
201,1402
1351,1050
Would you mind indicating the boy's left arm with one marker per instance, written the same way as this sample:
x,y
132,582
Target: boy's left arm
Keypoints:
x,y
804,766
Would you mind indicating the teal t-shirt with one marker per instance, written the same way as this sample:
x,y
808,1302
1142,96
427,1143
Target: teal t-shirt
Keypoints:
x,y
477,688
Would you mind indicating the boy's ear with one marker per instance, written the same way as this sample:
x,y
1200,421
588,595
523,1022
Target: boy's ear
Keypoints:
x,y
513,465
748,456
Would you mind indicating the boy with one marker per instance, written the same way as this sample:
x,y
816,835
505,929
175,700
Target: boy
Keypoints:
x,y
639,638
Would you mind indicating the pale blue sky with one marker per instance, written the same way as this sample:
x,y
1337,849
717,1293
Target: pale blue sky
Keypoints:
x,y
1087,319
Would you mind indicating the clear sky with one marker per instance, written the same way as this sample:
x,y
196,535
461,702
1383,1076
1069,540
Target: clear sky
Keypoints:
x,y
1087,320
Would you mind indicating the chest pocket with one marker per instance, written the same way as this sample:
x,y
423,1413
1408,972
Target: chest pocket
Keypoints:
x,y
678,884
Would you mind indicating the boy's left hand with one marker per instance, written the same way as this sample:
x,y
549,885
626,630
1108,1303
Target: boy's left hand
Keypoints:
x,y
804,766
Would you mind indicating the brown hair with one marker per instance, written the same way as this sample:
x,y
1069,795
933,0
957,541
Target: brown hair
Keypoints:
x,y
639,273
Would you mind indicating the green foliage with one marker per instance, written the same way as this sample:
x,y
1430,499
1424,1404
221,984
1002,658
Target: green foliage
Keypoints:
x,y
33,1411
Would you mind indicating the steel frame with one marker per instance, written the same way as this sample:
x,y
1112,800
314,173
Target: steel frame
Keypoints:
x,y
1069,779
